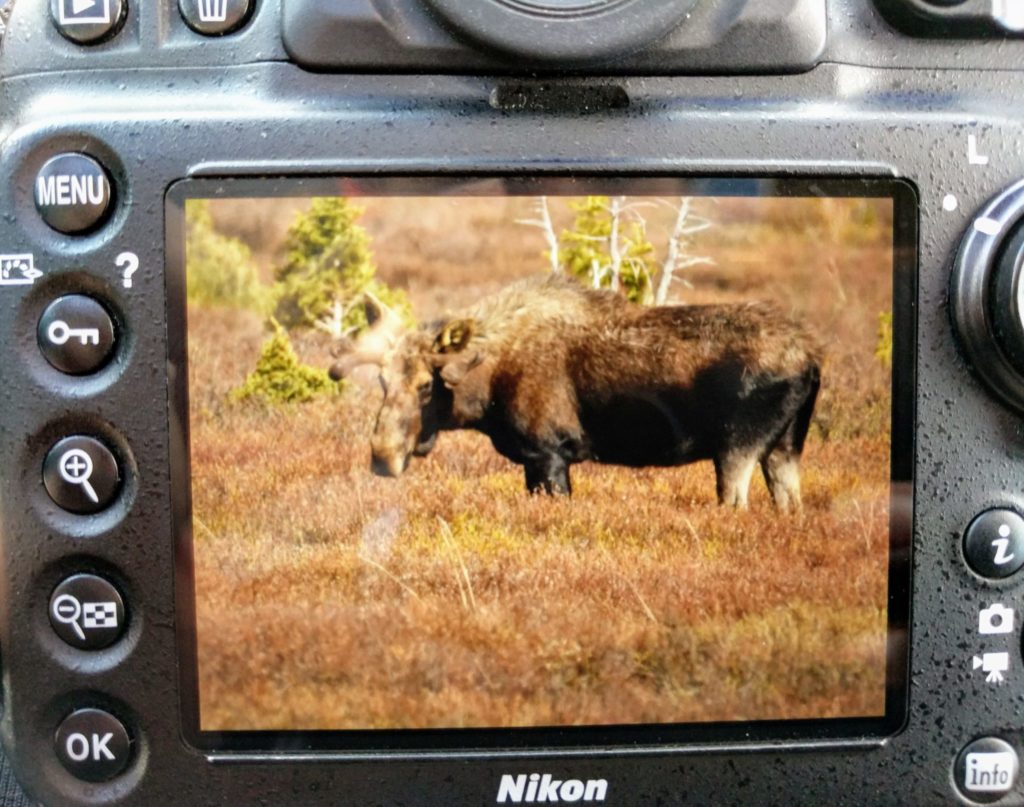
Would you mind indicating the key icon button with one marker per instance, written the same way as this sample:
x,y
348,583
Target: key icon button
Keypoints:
x,y
76,334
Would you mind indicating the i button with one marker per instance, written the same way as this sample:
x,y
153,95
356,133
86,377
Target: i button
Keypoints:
x,y
994,543
72,193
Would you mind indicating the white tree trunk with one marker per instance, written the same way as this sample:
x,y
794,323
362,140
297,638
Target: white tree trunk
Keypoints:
x,y
668,268
675,255
614,248
333,323
543,222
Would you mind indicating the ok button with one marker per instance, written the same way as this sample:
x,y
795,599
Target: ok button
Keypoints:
x,y
93,745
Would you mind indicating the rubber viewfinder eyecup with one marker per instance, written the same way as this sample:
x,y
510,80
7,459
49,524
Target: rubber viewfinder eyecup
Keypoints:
x,y
571,32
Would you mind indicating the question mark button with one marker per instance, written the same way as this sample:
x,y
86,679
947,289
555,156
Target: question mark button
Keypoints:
x,y
76,334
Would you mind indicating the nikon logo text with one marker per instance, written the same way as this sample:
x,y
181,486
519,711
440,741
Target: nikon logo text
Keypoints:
x,y
537,789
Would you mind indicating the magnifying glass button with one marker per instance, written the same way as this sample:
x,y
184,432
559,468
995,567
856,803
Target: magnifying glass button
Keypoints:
x,y
81,475
87,612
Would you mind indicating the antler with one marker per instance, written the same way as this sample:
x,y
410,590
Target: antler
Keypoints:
x,y
374,345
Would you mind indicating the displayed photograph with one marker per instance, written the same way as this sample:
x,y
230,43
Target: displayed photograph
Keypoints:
x,y
481,459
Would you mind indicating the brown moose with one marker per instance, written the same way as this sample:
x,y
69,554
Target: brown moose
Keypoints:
x,y
556,374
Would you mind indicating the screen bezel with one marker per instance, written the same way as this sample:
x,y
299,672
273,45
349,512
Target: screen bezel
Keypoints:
x,y
593,739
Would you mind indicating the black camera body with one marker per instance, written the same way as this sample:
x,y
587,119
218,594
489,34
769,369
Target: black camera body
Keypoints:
x,y
116,112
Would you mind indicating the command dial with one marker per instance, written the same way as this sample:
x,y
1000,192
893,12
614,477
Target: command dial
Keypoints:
x,y
987,295
1006,305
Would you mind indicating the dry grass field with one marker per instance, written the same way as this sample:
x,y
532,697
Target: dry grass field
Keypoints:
x,y
328,598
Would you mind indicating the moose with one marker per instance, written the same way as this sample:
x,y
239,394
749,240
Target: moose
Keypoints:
x,y
557,374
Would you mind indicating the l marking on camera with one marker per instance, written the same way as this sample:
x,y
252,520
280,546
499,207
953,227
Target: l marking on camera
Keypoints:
x,y
973,157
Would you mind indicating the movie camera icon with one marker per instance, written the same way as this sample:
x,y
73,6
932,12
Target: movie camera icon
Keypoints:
x,y
994,664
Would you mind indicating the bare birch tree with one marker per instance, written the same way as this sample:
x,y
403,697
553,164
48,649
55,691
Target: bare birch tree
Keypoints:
x,y
677,254
614,247
543,222
333,322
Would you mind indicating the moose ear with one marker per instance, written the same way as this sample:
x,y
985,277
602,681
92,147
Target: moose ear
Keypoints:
x,y
453,372
373,309
454,336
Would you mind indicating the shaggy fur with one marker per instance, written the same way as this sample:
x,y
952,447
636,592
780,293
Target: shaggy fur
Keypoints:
x,y
556,374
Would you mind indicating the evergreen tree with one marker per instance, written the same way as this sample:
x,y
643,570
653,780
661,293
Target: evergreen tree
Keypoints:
x,y
280,378
600,230
327,266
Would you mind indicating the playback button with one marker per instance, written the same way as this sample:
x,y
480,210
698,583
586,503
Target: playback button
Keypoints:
x,y
81,475
76,334
87,22
87,612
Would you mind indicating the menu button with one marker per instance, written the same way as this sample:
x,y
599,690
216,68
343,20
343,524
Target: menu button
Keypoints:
x,y
72,193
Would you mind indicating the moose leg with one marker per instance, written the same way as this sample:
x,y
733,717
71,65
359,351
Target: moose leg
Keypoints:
x,y
781,468
781,463
548,474
733,470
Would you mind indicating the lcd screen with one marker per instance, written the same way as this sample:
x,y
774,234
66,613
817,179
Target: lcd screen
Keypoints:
x,y
480,461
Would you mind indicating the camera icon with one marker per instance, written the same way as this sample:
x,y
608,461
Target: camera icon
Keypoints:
x,y
995,619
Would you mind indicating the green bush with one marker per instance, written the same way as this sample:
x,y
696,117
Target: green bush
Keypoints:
x,y
328,261
220,270
280,378
587,246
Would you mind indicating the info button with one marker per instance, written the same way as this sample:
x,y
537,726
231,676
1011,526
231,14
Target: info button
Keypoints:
x,y
72,193
986,770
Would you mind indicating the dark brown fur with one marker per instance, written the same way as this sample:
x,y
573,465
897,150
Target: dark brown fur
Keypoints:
x,y
556,374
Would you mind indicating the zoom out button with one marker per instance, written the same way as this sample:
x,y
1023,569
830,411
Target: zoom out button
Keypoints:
x,y
87,612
